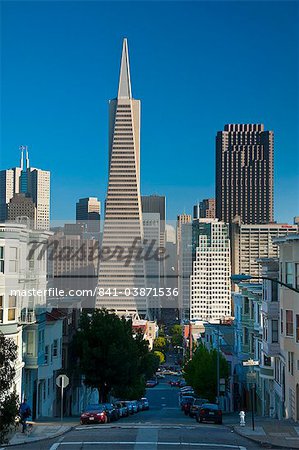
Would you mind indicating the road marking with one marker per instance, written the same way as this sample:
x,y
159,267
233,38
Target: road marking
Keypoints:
x,y
144,436
190,444
55,446
149,426
162,398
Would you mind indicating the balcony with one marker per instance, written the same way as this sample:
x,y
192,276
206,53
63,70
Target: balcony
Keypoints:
x,y
27,317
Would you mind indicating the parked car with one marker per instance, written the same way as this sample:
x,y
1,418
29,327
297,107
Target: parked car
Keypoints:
x,y
186,402
145,403
94,414
196,405
112,412
122,409
186,388
135,406
140,405
182,383
209,412
129,405
151,383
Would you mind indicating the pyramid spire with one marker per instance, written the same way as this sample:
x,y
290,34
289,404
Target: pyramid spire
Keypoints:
x,y
124,86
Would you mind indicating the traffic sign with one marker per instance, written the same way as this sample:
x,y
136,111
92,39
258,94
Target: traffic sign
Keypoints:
x,y
62,381
251,362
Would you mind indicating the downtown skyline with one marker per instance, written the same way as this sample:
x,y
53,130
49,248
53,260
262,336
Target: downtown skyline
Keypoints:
x,y
61,145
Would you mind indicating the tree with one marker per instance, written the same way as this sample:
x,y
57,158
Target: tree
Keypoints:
x,y
160,355
176,333
8,398
201,372
110,357
160,343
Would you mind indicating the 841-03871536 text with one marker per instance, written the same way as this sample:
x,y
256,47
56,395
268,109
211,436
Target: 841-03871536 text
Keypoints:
x,y
138,292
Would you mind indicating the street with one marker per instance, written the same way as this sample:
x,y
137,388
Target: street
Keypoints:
x,y
164,426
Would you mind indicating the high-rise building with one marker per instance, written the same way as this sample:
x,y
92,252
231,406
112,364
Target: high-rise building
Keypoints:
x,y
251,242
204,209
88,212
184,268
152,265
123,229
33,183
244,173
210,296
19,206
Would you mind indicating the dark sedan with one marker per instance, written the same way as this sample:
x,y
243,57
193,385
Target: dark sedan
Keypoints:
x,y
111,411
196,405
186,403
209,412
94,414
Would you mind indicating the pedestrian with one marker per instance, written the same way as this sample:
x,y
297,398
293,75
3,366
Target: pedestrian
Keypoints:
x,y
24,412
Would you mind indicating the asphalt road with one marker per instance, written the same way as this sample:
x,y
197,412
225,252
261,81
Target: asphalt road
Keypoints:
x,y
163,427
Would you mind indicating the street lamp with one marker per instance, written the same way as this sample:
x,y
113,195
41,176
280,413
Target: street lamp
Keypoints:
x,y
239,278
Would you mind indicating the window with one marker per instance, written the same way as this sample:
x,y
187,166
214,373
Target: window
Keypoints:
x,y
274,331
297,275
246,305
12,303
267,361
246,336
297,328
274,292
55,347
13,259
46,354
44,390
30,343
289,323
291,363
48,386
289,274
1,308
281,321
1,259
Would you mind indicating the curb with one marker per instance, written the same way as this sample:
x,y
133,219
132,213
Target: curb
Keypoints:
x,y
263,444
40,439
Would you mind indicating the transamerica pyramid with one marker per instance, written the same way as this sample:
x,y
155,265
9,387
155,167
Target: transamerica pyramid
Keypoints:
x,y
121,271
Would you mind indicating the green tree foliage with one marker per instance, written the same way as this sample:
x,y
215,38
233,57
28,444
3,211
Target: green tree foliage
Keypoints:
x,y
201,372
110,357
160,355
176,333
8,398
160,344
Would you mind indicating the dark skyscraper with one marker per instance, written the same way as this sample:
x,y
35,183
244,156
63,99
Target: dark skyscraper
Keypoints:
x,y
244,173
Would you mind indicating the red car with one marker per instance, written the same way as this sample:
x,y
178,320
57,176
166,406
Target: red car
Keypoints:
x,y
209,412
186,403
93,414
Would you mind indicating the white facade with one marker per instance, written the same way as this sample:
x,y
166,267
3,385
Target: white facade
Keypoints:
x,y
250,242
18,273
210,296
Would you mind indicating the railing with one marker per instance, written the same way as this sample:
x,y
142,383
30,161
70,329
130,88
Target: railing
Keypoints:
x,y
27,317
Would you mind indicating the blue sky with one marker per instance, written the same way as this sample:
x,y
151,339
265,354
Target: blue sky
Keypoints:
x,y
195,66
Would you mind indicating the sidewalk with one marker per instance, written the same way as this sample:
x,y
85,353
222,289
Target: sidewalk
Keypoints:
x,y
269,433
44,429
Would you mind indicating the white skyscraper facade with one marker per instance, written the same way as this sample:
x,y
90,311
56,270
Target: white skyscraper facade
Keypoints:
x,y
120,280
210,287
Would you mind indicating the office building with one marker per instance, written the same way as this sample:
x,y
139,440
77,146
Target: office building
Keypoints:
x,y
33,183
184,268
210,280
204,209
123,228
88,212
244,173
251,242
